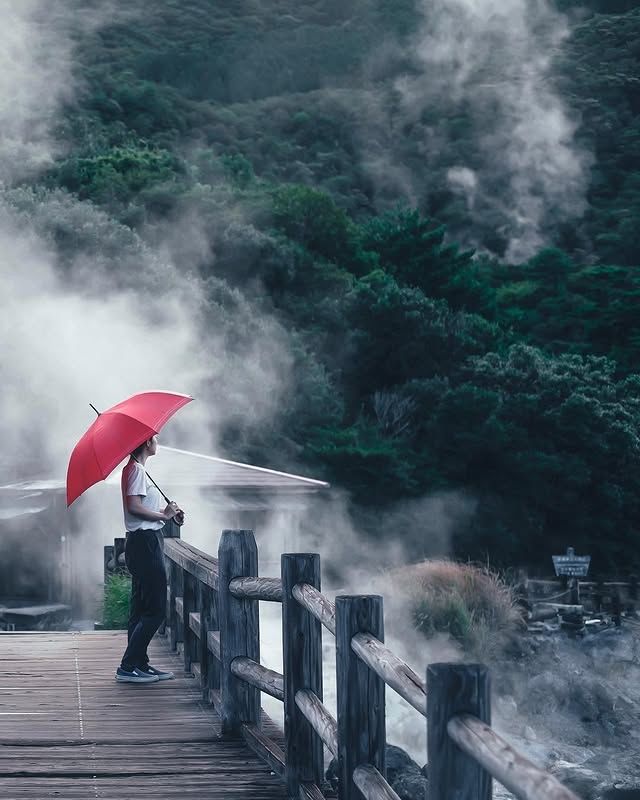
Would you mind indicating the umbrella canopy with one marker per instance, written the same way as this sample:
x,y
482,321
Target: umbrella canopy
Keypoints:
x,y
115,434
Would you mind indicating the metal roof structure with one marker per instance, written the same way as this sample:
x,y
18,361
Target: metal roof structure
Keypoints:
x,y
173,468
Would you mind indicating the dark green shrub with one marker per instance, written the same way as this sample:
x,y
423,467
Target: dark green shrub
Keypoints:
x,y
117,594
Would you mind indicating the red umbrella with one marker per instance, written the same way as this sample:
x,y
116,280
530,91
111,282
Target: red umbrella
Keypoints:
x,y
115,434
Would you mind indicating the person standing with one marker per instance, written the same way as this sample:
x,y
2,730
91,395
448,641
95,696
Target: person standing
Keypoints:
x,y
144,518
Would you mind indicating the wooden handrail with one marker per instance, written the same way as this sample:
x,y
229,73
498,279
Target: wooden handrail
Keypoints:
x,y
196,563
317,604
267,680
393,670
515,772
213,610
268,589
372,784
319,717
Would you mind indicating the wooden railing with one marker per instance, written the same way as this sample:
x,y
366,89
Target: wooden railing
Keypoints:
x,y
213,610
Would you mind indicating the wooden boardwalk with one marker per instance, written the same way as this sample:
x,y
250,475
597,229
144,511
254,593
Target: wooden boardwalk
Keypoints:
x,y
68,730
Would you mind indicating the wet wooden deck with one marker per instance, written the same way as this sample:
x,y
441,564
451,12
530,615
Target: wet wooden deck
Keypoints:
x,y
68,730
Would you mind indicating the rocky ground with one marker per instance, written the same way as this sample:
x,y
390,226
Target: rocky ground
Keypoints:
x,y
571,705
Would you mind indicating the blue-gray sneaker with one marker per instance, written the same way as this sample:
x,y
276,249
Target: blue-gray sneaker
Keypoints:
x,y
160,674
135,676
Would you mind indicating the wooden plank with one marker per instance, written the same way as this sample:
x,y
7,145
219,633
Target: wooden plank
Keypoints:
x,y
268,750
179,606
515,772
196,672
71,737
454,689
255,588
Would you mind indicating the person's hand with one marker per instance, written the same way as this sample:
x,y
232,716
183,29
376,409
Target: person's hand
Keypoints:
x,y
171,510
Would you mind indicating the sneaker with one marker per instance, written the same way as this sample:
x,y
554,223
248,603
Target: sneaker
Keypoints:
x,y
135,676
160,674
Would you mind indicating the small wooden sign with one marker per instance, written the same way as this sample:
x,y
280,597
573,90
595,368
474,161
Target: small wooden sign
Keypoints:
x,y
571,564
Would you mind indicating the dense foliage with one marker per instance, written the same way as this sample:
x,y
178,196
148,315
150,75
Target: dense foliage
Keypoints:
x,y
423,360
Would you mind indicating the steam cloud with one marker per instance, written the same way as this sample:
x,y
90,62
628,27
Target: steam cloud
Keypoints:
x,y
116,316
492,61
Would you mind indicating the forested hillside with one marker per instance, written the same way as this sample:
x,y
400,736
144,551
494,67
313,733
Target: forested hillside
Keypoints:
x,y
458,264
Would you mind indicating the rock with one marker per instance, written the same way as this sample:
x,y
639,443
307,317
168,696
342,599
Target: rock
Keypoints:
x,y
398,761
410,785
584,782
405,777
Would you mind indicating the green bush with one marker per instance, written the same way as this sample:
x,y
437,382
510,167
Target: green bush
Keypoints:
x,y
117,594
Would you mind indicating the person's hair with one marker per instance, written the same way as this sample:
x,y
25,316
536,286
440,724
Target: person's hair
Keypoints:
x,y
138,451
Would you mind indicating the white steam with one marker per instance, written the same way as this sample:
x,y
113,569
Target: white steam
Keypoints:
x,y
491,60
110,315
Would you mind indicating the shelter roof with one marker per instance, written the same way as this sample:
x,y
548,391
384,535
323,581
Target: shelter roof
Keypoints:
x,y
174,468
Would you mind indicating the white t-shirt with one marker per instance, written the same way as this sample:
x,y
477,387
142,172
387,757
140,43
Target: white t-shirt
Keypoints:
x,y
136,482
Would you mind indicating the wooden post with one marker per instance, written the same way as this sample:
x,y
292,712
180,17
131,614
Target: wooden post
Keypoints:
x,y
453,689
209,665
616,608
189,601
598,596
175,590
574,592
239,630
118,550
108,557
633,593
360,693
302,661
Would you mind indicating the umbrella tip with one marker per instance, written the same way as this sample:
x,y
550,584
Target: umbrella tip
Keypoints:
x,y
95,409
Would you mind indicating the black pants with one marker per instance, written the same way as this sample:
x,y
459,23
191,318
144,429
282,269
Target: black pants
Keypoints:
x,y
145,560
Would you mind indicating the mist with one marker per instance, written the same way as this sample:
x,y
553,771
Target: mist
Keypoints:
x,y
112,315
513,160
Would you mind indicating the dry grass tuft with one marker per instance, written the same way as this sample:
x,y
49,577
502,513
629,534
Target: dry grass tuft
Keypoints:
x,y
474,605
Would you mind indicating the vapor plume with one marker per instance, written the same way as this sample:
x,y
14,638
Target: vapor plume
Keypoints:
x,y
489,64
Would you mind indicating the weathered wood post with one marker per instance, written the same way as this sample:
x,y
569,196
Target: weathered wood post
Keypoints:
x,y
574,592
118,554
170,531
598,596
302,661
175,590
189,604
239,629
209,667
360,693
616,607
633,593
108,562
454,689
